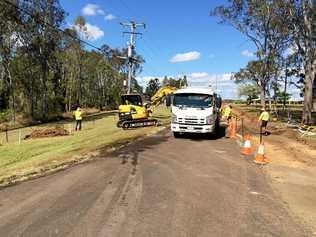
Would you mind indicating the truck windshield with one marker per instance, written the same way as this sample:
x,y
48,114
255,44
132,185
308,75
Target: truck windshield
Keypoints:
x,y
193,100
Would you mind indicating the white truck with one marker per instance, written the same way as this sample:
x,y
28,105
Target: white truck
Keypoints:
x,y
195,110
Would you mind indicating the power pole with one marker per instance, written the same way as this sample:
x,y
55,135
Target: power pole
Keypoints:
x,y
131,49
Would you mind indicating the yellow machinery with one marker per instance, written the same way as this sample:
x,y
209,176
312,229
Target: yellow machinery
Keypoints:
x,y
133,113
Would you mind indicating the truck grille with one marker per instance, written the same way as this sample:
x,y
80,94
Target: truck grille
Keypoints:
x,y
191,120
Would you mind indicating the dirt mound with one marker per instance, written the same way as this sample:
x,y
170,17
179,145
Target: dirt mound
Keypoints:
x,y
47,132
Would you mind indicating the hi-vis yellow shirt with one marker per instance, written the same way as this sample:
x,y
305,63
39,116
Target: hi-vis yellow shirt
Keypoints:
x,y
78,115
264,116
227,112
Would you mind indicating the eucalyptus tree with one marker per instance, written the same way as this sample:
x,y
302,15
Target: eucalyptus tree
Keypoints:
x,y
9,38
302,32
42,20
249,90
259,21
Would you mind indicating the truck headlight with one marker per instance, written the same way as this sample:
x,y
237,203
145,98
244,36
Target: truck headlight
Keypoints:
x,y
173,118
209,119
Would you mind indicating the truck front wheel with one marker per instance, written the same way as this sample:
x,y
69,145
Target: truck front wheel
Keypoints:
x,y
176,134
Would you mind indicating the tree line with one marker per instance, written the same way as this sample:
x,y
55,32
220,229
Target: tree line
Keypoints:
x,y
154,84
284,35
45,71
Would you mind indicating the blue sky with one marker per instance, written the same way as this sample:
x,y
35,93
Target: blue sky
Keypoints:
x,y
180,38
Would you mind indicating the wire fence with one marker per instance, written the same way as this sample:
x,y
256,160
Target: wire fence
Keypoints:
x,y
18,135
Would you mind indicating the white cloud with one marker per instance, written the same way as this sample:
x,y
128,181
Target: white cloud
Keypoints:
x,y
92,10
199,75
222,83
109,17
143,80
90,32
205,79
184,57
247,53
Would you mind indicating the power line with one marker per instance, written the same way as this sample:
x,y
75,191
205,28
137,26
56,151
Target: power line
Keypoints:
x,y
50,25
58,29
131,46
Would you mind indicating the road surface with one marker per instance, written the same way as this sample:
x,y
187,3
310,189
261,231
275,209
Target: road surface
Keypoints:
x,y
160,186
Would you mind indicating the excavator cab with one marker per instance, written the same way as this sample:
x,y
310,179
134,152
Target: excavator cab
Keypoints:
x,y
133,99
131,109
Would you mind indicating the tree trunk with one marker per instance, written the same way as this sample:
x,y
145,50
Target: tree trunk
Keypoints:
x,y
308,94
44,96
263,96
310,61
270,100
285,89
12,92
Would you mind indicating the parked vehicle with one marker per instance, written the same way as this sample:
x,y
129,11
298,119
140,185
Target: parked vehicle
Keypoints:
x,y
195,110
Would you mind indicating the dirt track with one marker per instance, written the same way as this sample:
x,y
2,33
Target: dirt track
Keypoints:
x,y
157,187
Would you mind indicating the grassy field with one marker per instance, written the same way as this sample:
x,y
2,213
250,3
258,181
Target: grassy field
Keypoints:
x,y
34,155
292,112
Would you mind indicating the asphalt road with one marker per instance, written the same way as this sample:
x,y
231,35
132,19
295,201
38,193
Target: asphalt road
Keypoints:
x,y
160,186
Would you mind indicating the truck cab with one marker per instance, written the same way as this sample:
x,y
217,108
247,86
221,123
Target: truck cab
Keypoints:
x,y
195,110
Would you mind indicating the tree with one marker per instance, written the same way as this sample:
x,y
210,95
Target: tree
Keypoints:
x,y
178,83
251,91
41,39
282,97
302,32
9,18
45,71
259,21
251,73
152,87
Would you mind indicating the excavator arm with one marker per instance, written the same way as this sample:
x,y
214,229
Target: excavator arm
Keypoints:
x,y
158,97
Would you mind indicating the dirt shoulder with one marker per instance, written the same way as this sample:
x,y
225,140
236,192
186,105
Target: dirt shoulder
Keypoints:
x,y
292,169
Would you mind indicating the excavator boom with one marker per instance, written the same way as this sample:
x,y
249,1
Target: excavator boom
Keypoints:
x,y
164,91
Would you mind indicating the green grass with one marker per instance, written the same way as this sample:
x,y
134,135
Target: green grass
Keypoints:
x,y
294,110
35,154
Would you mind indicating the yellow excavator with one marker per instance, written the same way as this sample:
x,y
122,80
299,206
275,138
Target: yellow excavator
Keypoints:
x,y
133,113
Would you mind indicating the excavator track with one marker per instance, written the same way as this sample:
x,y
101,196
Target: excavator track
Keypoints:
x,y
139,123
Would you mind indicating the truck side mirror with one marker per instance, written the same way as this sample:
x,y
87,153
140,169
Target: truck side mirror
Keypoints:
x,y
218,102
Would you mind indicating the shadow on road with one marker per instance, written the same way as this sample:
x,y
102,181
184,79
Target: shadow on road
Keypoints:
x,y
197,136
130,152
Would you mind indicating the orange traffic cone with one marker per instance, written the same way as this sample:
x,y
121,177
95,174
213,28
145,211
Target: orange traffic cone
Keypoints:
x,y
246,149
260,158
233,129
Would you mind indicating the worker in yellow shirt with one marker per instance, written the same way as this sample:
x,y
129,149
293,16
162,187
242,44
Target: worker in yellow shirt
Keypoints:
x,y
228,113
264,119
78,118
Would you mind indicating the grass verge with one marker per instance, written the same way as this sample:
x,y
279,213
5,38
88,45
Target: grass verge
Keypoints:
x,y
38,156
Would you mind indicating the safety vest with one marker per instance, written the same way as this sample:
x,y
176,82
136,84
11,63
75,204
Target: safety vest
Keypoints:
x,y
78,115
264,116
227,112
